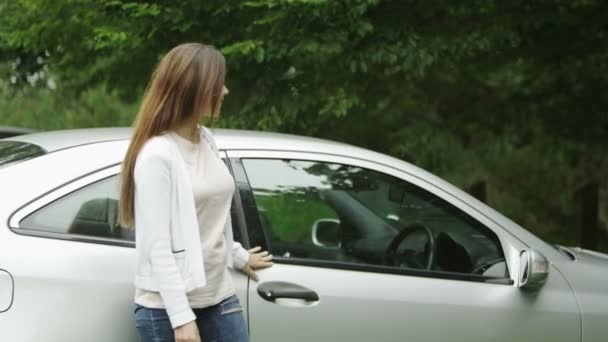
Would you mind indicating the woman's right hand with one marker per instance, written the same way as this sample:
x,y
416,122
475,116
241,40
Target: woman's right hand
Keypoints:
x,y
187,333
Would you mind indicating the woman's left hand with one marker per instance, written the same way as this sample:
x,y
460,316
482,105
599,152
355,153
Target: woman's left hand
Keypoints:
x,y
258,259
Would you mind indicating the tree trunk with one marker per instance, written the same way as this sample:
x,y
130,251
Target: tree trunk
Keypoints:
x,y
478,190
588,195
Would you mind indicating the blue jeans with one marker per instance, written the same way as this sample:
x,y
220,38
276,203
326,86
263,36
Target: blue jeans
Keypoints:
x,y
223,322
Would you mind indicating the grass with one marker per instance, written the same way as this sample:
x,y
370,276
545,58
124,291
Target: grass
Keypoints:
x,y
291,215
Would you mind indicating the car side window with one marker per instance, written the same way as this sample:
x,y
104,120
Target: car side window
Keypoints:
x,y
348,214
91,211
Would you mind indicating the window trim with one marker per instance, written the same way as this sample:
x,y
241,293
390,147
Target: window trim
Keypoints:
x,y
237,203
392,270
243,189
504,237
57,193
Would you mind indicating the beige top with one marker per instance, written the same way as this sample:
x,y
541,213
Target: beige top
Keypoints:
x,y
213,188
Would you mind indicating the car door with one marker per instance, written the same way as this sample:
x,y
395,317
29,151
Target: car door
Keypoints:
x,y
73,266
365,252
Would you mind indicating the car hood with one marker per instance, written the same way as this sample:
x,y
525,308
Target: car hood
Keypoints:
x,y
588,256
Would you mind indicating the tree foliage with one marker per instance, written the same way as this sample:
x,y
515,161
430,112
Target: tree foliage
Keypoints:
x,y
510,92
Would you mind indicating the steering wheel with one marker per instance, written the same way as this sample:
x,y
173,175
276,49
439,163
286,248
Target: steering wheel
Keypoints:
x,y
392,256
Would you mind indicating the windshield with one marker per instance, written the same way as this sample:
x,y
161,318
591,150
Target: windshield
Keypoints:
x,y
12,152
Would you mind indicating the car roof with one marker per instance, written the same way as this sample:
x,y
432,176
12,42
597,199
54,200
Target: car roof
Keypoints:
x,y
60,139
226,139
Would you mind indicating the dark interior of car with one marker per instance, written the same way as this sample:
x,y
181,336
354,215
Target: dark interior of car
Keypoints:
x,y
451,256
99,217
364,238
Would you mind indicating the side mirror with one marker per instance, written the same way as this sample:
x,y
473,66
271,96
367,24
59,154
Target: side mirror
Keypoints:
x,y
326,233
533,269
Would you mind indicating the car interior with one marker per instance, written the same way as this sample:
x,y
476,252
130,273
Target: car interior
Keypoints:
x,y
365,238
99,217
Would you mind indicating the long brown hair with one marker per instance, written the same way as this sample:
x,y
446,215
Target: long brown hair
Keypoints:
x,y
186,86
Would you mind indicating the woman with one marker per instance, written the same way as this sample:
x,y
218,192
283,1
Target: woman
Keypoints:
x,y
177,193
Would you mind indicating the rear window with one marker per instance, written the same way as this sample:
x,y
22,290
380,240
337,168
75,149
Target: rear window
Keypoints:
x,y
12,152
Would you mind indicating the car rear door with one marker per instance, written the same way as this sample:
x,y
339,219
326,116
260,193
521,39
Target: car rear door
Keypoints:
x,y
72,264
337,285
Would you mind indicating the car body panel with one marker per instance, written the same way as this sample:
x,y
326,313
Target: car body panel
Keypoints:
x,y
588,277
60,281
73,291
365,306
29,179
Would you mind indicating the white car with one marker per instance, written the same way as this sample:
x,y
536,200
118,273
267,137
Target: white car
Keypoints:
x,y
367,248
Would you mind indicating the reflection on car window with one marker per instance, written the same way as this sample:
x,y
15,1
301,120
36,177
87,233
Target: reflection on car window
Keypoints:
x,y
328,211
90,211
12,152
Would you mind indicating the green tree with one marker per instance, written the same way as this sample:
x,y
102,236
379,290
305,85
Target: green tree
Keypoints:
x,y
509,92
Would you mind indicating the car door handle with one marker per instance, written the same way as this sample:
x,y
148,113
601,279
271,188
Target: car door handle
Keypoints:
x,y
274,290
